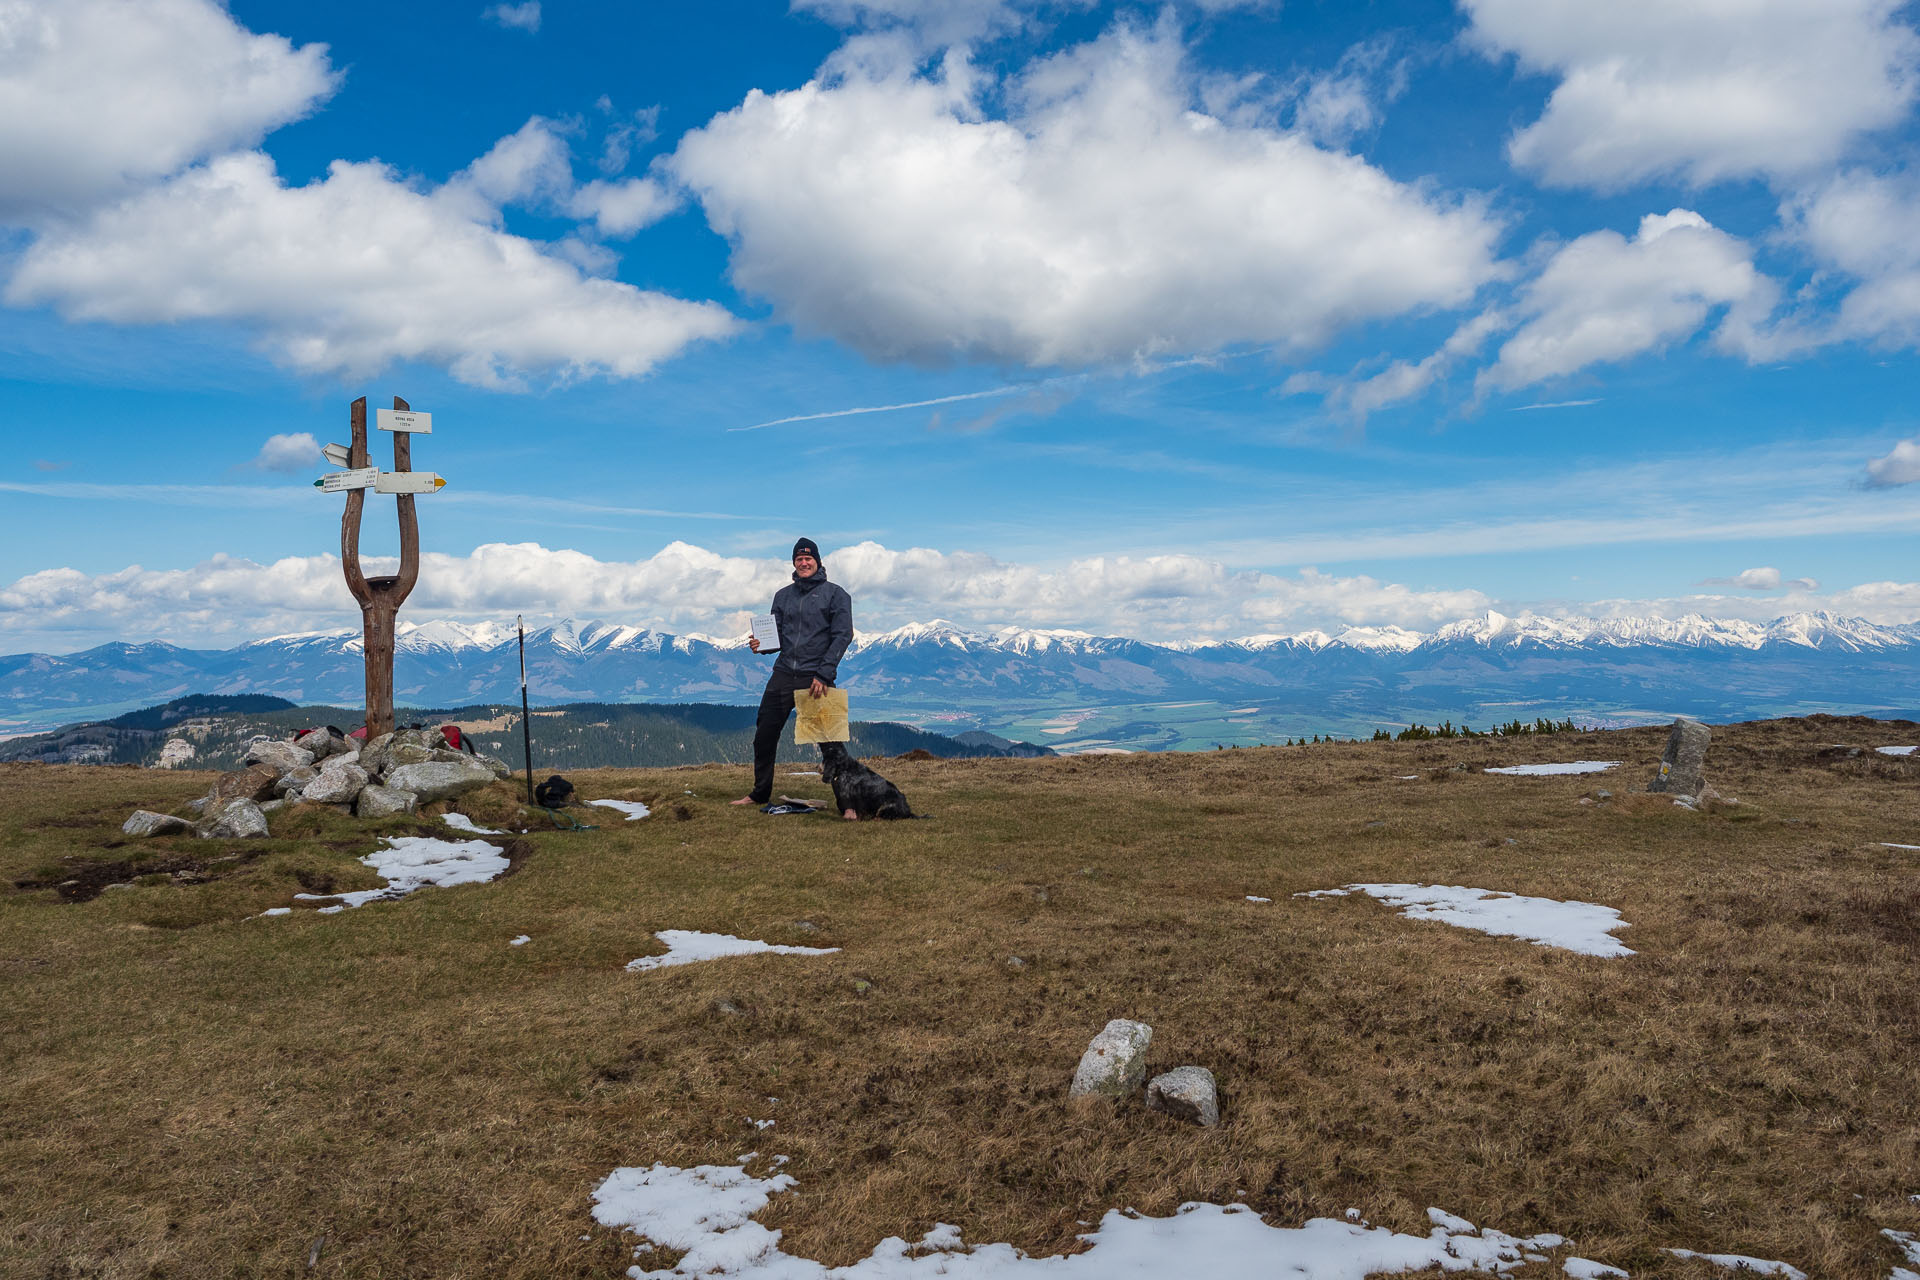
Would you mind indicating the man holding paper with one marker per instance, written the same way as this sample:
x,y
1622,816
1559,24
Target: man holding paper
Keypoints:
x,y
813,625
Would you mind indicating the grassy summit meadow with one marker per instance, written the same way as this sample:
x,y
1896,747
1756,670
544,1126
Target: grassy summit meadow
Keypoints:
x,y
189,1090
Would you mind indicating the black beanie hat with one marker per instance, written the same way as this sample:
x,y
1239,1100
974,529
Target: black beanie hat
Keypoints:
x,y
805,544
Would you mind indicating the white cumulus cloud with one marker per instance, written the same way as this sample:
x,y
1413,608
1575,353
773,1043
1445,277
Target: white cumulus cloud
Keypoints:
x,y
1702,90
1604,298
1103,219
1867,227
97,95
522,17
353,271
288,453
1901,466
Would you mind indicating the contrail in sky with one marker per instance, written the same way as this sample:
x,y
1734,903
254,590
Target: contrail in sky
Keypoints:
x,y
882,408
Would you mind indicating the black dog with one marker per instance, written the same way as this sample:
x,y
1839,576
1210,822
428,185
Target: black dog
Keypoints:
x,y
858,790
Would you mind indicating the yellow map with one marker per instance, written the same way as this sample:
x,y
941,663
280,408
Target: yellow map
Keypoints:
x,y
822,719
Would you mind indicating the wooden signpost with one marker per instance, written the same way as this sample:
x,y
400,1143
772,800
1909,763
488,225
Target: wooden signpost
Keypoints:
x,y
380,597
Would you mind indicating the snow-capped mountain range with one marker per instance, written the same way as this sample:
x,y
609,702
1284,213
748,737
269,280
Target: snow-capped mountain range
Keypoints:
x,y
937,671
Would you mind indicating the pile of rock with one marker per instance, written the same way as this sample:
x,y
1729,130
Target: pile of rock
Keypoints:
x,y
394,773
1116,1062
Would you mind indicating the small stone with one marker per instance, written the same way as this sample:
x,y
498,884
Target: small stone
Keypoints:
x,y
861,986
255,782
383,802
291,782
339,782
401,753
281,757
1115,1061
500,767
147,823
728,1007
1603,794
806,926
1508,840
239,820
272,806
1187,1093
1015,962
1683,766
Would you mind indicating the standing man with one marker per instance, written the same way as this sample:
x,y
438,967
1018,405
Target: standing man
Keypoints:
x,y
815,618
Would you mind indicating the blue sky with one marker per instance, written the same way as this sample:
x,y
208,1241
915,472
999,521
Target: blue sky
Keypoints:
x,y
1184,321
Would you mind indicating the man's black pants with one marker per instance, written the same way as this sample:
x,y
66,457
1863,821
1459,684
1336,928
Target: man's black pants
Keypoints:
x,y
776,704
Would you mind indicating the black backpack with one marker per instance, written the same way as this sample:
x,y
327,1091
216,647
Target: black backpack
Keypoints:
x,y
555,793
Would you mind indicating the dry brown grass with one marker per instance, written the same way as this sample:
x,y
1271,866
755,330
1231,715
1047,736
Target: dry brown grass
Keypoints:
x,y
186,1092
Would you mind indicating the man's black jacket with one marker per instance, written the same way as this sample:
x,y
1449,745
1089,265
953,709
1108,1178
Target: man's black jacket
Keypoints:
x,y
816,626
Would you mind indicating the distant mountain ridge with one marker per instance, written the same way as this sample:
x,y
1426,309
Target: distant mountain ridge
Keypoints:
x,y
1026,682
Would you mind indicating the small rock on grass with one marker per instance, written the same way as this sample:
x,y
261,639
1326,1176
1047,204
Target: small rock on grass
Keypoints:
x,y
1115,1062
144,822
1187,1093
383,802
240,820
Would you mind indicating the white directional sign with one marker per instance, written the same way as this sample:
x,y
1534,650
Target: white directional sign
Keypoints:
x,y
404,420
342,481
338,454
408,482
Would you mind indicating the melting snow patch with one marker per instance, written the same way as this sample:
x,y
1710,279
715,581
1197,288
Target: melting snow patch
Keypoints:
x,y
1545,922
520,941
277,911
1740,1262
1547,770
632,808
1587,1269
707,1212
414,862
1252,898
1884,844
1895,751
686,946
461,822
1909,1244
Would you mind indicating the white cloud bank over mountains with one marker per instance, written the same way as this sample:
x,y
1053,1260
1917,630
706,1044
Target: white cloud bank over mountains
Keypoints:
x,y
685,588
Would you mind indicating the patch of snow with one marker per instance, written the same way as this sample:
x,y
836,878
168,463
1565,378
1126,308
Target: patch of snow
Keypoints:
x,y
1252,898
1884,844
277,911
520,941
1547,922
632,808
461,822
804,773
1587,1269
1406,777
415,862
1909,1244
1741,1262
707,1212
1895,751
689,946
1549,770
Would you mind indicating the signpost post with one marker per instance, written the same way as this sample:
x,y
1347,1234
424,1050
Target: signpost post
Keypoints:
x,y
380,597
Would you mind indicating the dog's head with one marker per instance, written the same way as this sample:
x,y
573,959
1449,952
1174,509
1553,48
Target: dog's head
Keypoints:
x,y
833,756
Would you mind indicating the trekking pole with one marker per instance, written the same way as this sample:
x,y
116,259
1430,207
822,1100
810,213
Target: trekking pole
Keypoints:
x,y
526,716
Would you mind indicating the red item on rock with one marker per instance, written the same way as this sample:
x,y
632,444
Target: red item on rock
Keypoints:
x,y
451,732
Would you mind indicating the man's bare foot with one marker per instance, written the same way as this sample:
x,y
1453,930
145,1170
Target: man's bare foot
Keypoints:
x,y
851,816
744,800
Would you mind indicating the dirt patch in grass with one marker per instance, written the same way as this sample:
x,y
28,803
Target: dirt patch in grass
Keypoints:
x,y
435,1101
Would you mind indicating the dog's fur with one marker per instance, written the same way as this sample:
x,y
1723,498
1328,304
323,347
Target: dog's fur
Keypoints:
x,y
858,790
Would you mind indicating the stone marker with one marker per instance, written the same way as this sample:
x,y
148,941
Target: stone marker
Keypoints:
x,y
1115,1062
144,822
1683,767
1187,1093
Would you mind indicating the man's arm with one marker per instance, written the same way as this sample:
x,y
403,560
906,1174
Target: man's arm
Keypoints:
x,y
839,635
